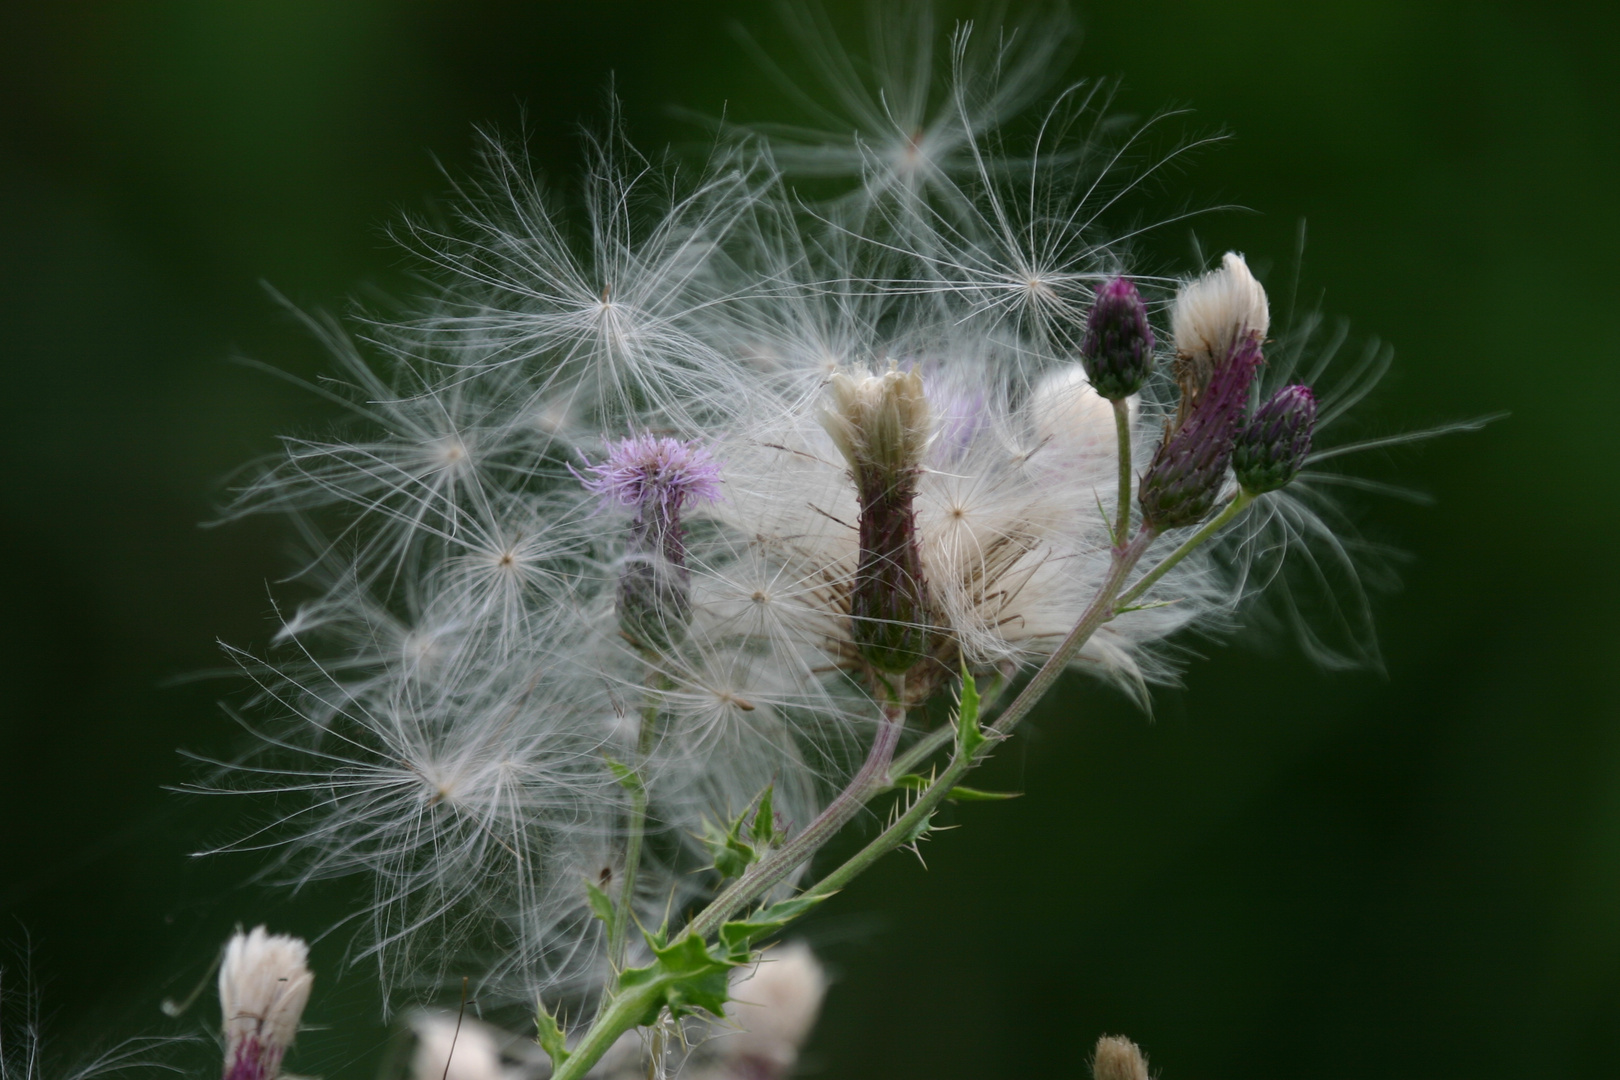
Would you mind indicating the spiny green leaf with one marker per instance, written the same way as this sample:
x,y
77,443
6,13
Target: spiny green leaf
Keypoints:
x,y
549,1035
686,977
918,830
968,736
911,782
627,777
601,906
731,856
763,832
967,794
1150,605
738,935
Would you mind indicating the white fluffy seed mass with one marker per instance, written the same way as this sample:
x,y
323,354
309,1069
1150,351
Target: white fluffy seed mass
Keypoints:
x,y
1214,311
439,713
264,984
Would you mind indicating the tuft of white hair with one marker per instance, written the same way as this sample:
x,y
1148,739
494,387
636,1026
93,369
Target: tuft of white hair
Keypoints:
x,y
264,984
1214,312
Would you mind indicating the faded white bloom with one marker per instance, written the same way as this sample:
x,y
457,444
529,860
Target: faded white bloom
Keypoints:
x,y
452,1046
1214,312
264,985
1117,1058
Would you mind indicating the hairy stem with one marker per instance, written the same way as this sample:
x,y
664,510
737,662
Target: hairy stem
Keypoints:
x,y
1122,427
1211,527
906,825
781,863
874,776
619,1016
635,834
925,747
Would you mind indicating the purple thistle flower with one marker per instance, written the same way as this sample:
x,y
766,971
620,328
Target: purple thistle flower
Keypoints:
x,y
657,477
654,475
1187,471
1270,451
1117,350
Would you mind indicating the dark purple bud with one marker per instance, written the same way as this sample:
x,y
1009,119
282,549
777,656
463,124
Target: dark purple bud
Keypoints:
x,y
1187,472
1118,347
1273,446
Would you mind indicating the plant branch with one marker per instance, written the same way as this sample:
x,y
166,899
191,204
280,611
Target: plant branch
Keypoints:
x,y
1122,428
777,866
1215,524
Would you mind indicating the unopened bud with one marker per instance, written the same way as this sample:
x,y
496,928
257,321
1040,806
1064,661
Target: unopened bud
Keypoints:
x,y
657,478
880,424
1272,447
263,987
1212,316
1117,1058
1118,347
1189,468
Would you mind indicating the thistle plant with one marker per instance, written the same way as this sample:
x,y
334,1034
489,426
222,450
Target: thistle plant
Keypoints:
x,y
655,546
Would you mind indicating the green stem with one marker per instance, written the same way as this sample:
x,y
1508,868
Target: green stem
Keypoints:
x,y
621,1014
1122,428
773,869
1100,611
635,835
925,747
1214,525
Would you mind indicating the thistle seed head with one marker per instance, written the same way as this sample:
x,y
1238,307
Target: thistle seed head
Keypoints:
x,y
263,988
880,424
1189,468
1117,1058
1273,446
1213,314
1118,347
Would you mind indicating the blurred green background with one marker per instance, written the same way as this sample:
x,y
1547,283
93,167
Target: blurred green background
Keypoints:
x,y
1286,873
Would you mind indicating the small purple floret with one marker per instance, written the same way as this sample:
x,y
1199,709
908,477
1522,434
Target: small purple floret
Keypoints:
x,y
1272,448
1117,350
1188,470
655,476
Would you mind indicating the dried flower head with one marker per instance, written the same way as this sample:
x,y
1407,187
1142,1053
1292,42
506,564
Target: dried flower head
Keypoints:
x,y
1212,316
1189,469
1117,1058
264,985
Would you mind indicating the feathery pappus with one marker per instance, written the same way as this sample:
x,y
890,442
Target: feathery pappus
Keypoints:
x,y
649,517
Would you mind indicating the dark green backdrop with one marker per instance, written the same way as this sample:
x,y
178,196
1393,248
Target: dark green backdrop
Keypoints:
x,y
1286,873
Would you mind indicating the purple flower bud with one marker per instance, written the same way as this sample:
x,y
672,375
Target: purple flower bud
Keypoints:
x,y
1187,472
657,478
1118,347
1271,449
